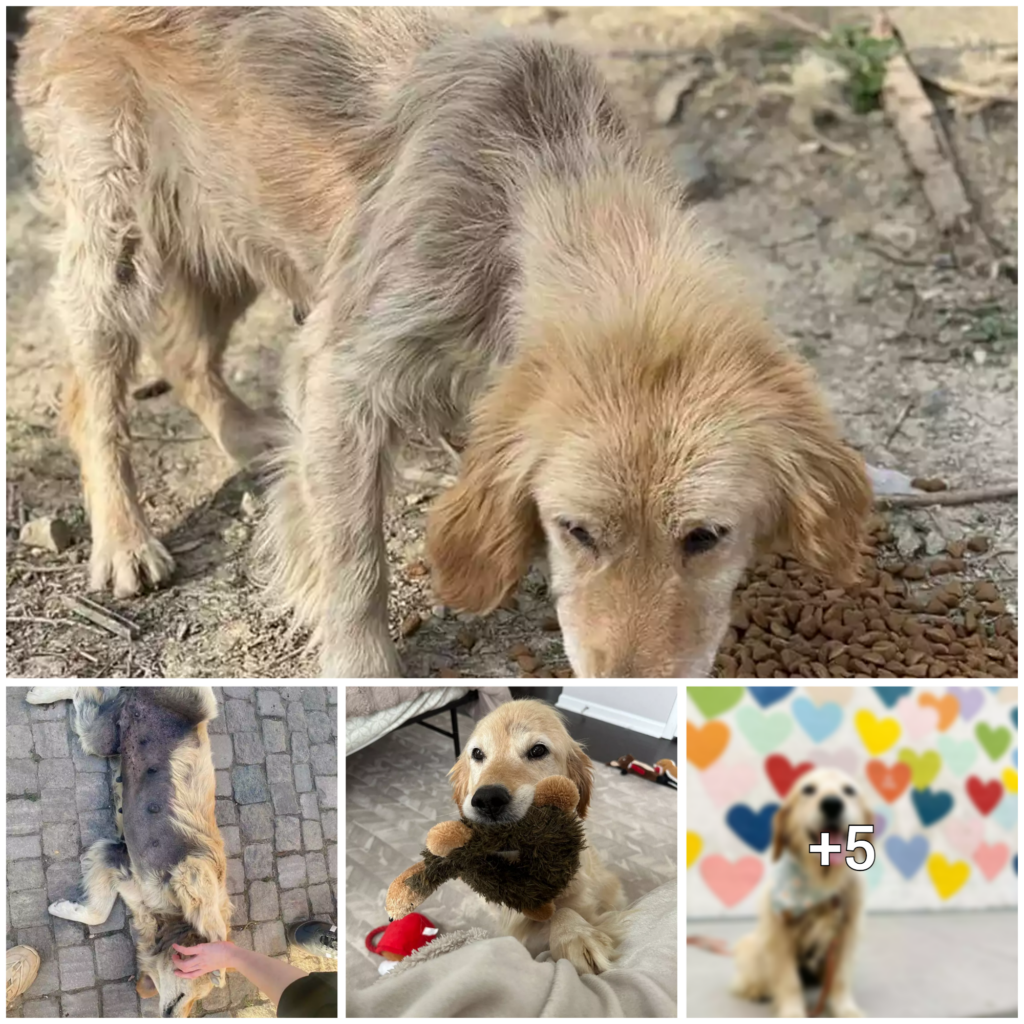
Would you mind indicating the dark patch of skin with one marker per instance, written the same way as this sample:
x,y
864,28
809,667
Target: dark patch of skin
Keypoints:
x,y
124,269
149,734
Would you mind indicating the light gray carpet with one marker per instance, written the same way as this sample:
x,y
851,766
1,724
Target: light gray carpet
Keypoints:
x,y
397,789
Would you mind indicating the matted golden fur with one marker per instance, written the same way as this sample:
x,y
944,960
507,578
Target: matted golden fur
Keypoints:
x,y
186,902
509,752
770,959
474,229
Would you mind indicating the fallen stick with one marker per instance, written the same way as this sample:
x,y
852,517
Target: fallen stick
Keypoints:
x,y
916,123
974,496
102,617
43,621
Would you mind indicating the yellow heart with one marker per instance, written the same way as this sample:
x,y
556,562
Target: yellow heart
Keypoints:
x,y
947,878
694,846
878,735
1010,779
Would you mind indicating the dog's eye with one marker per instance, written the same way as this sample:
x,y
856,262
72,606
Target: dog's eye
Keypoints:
x,y
477,754
536,751
849,791
704,538
578,534
808,790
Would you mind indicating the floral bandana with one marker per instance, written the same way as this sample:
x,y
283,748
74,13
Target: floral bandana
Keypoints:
x,y
793,891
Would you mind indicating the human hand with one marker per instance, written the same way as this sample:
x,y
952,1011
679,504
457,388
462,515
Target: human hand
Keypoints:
x,y
195,961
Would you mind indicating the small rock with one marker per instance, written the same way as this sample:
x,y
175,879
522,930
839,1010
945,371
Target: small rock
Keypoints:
x,y
439,611
183,630
899,236
908,541
979,544
49,533
668,101
701,181
934,542
249,506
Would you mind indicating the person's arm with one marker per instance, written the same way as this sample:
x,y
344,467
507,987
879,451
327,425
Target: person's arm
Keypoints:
x,y
268,975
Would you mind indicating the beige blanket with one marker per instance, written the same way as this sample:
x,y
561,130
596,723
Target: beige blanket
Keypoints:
x,y
365,700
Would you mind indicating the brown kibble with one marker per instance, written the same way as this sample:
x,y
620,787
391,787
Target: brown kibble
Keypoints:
x,y
918,671
997,607
979,544
940,567
929,484
449,673
410,624
936,606
519,650
466,638
550,624
956,548
563,673
416,568
985,591
528,663
913,572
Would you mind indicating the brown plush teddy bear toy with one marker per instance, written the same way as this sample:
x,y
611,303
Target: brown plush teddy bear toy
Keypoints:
x,y
524,865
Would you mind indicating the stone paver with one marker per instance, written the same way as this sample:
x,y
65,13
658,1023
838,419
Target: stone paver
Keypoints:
x,y
275,759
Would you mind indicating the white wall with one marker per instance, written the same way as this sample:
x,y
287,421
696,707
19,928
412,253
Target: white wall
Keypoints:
x,y
650,710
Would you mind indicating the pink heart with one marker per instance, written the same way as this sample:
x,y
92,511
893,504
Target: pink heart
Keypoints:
x,y
964,834
731,883
991,859
726,783
919,720
844,759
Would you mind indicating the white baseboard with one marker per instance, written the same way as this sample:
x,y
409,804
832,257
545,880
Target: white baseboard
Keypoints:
x,y
615,716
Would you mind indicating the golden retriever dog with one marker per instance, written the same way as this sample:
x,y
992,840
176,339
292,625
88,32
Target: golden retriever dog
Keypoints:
x,y
471,232
510,751
168,862
810,915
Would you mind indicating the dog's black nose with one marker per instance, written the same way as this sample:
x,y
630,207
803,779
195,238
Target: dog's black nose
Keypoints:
x,y
491,800
832,807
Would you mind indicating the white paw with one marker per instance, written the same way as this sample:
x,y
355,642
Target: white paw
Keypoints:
x,y
847,1008
49,694
130,567
791,1008
73,912
590,952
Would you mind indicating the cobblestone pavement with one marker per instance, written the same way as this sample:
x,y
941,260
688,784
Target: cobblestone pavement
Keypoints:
x,y
275,752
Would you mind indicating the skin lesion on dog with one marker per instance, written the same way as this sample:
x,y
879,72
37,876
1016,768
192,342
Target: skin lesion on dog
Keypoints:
x,y
470,230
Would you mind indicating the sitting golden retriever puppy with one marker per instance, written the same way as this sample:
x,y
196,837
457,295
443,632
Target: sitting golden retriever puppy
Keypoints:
x,y
809,915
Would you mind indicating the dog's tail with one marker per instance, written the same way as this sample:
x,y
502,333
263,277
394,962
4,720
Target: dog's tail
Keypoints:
x,y
719,946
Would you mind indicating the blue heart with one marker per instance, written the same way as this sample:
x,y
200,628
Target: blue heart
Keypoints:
x,y
1014,757
754,828
1013,715
891,694
931,807
766,696
1006,812
818,723
908,856
994,689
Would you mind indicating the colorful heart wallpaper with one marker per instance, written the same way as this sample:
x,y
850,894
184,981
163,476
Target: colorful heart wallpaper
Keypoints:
x,y
937,765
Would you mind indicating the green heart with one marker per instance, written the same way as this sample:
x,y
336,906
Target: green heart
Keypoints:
x,y
958,754
713,701
924,767
765,732
995,741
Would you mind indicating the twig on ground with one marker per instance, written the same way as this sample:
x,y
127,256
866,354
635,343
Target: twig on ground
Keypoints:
x,y
916,123
44,621
975,496
903,261
103,617
904,413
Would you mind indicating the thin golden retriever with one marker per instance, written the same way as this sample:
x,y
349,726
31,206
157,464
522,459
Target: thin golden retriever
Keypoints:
x,y
510,751
809,915
468,226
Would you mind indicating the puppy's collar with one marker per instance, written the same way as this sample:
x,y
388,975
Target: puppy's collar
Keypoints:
x,y
793,892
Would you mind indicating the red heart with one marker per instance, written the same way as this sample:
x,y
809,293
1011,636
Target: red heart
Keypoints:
x,y
984,794
783,774
890,782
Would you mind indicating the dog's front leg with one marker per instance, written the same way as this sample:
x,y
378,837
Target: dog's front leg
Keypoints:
x,y
197,888
840,997
788,991
588,948
325,530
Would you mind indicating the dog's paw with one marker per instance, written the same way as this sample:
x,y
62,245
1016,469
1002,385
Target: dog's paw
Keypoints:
x,y
128,568
791,1008
49,694
847,1008
590,952
71,911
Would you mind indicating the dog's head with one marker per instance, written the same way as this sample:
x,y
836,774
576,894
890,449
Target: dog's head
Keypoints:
x,y
825,800
510,751
650,441
156,969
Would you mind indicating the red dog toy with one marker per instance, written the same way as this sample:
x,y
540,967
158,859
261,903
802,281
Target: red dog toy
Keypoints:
x,y
401,938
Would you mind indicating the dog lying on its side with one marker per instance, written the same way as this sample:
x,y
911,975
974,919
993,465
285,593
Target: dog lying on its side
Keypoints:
x,y
168,864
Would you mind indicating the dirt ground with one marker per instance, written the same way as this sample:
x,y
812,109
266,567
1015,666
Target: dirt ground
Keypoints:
x,y
916,352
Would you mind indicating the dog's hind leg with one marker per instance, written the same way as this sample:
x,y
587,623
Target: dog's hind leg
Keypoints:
x,y
95,720
104,868
52,694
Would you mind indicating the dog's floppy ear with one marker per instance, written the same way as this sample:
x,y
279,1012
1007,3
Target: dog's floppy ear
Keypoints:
x,y
482,532
580,769
459,778
823,495
779,824
145,987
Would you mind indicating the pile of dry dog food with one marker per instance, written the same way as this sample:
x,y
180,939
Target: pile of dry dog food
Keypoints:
x,y
902,620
